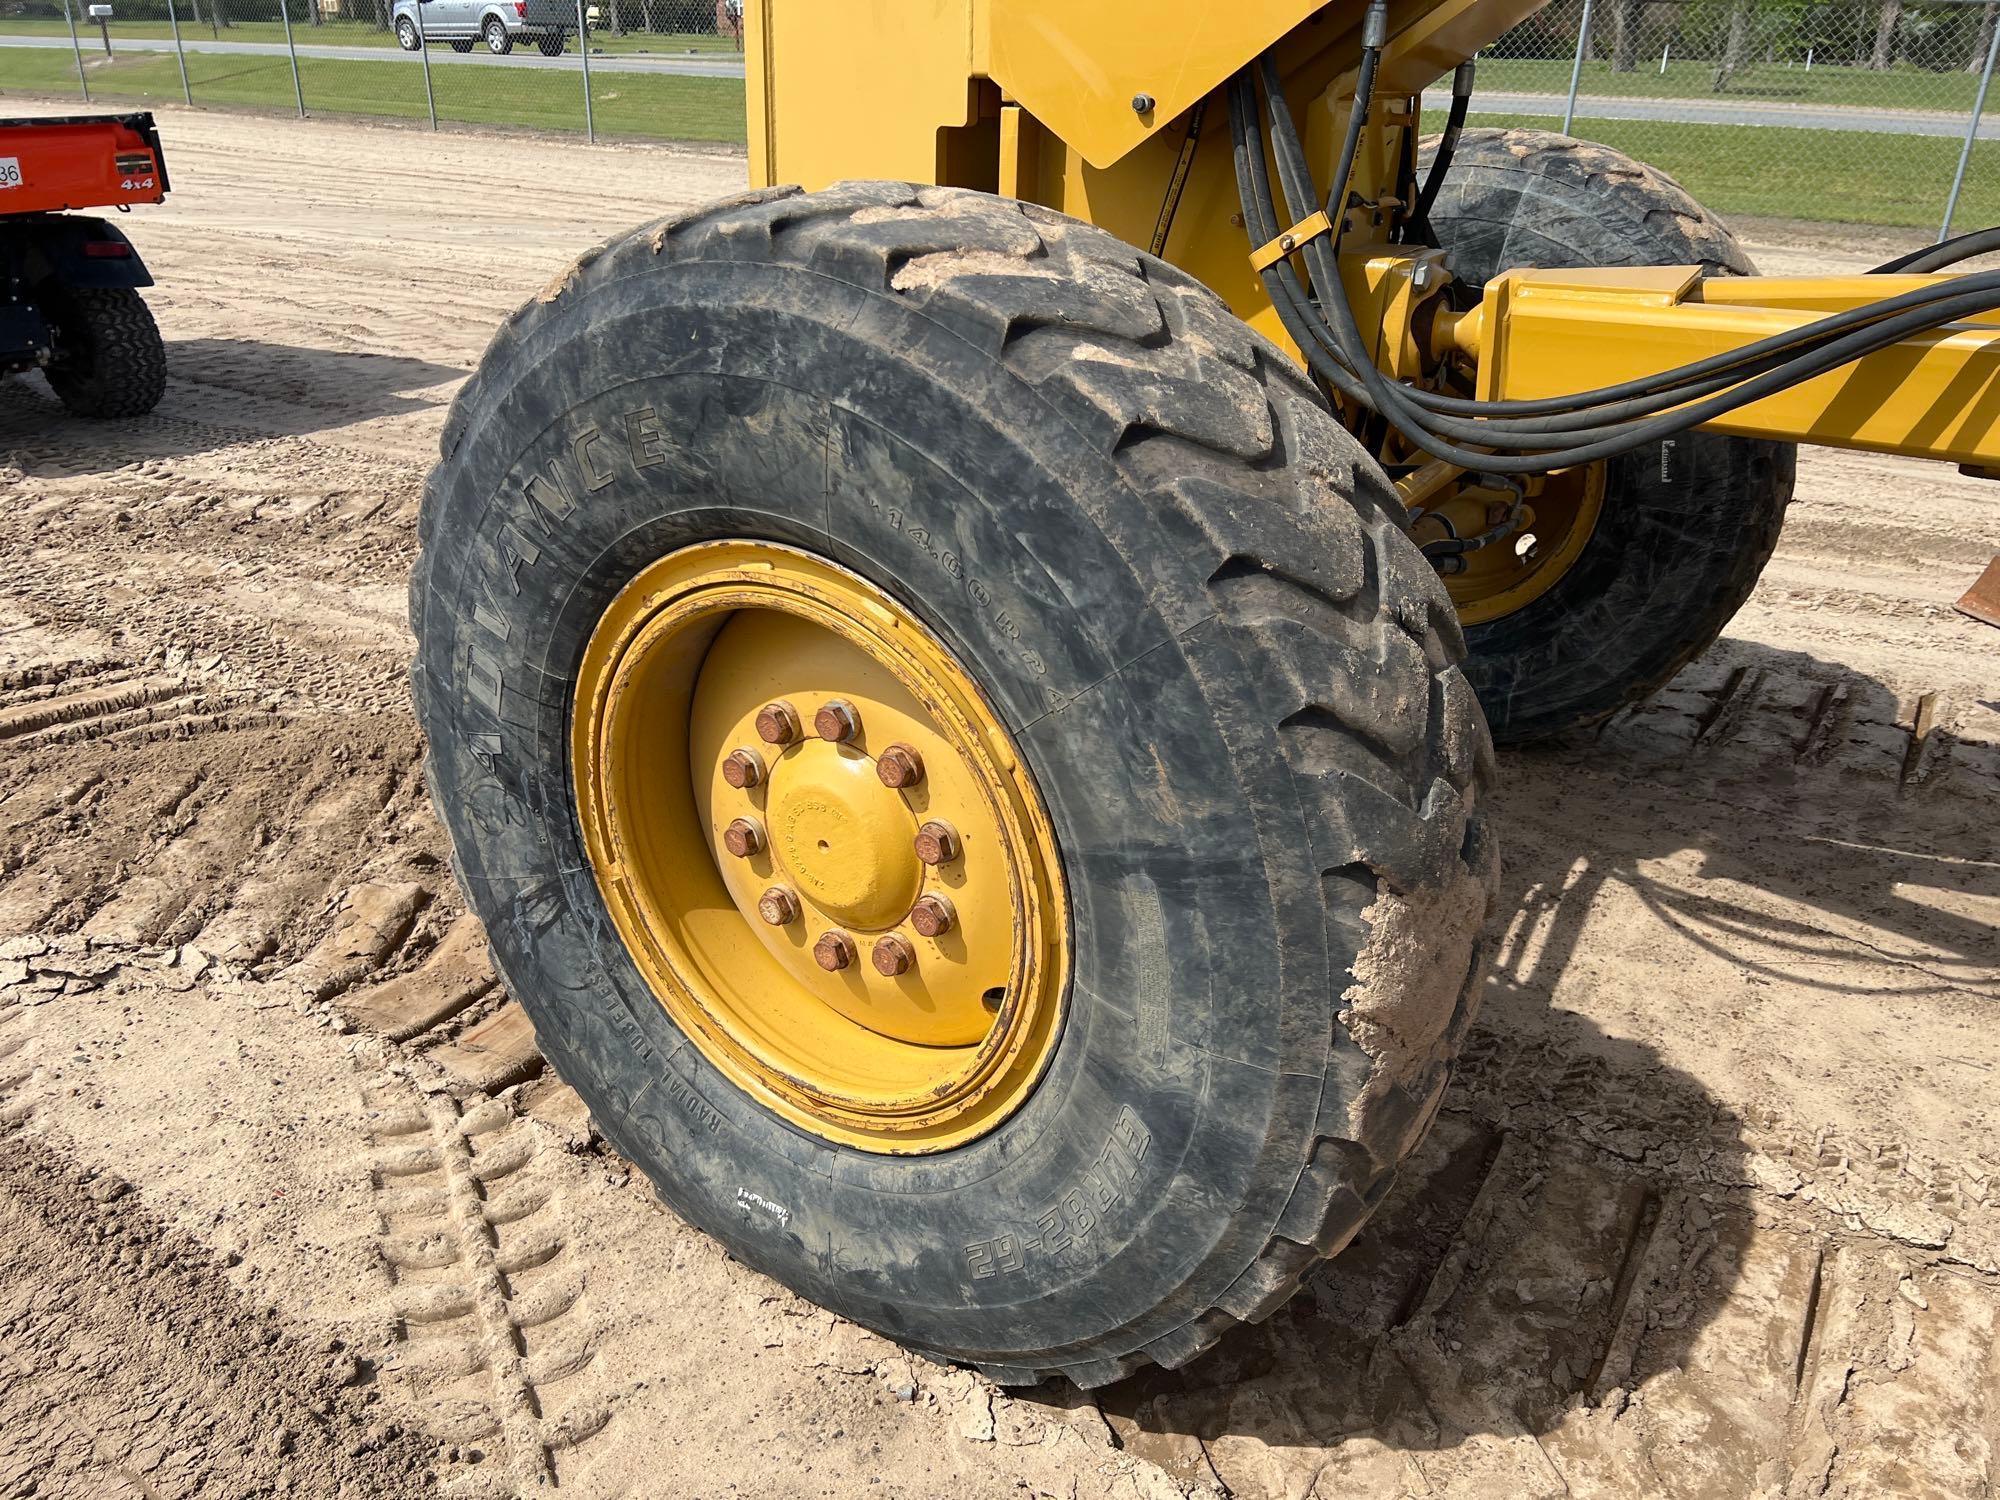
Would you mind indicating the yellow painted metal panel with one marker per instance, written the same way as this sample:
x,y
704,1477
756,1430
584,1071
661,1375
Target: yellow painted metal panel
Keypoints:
x,y
1077,65
856,88
1934,395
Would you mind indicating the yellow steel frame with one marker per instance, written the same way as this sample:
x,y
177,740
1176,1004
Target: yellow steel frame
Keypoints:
x,y
1114,112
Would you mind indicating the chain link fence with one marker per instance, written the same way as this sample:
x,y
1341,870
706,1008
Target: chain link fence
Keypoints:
x,y
1863,112
1856,111
670,69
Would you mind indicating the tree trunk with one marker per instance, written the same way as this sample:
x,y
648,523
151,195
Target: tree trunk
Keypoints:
x,y
1885,35
1984,39
1625,36
1737,47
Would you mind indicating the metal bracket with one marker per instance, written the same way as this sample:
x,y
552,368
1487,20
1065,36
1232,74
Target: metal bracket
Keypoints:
x,y
1304,232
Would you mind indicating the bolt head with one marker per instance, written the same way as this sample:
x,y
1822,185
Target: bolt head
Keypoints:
x,y
899,766
778,723
743,768
1142,104
893,955
837,721
937,843
743,837
778,906
834,951
933,915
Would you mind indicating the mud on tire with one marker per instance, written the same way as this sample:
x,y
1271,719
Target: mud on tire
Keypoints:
x,y
1687,523
1188,593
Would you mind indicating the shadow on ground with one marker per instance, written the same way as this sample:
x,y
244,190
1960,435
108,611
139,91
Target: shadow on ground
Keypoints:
x,y
1583,1222
221,392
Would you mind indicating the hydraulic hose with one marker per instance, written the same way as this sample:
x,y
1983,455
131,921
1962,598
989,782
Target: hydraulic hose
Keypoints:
x,y
1593,424
1959,247
1447,146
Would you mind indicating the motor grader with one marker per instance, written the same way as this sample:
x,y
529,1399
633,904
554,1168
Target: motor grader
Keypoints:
x,y
960,679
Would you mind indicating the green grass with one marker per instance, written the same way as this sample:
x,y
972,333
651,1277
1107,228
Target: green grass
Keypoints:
x,y
344,34
630,104
1840,177
1894,88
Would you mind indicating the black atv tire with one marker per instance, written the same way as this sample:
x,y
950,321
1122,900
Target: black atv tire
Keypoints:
x,y
109,359
550,46
1190,595
1687,523
463,45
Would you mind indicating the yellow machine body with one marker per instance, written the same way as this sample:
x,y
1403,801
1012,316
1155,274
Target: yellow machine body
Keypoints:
x,y
1115,113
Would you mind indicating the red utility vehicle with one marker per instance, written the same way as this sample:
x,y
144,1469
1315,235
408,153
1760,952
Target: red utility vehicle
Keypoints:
x,y
69,282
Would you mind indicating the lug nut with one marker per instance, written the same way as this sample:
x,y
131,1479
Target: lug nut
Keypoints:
x,y
893,955
899,766
834,951
742,837
743,768
777,723
837,721
937,843
932,916
778,906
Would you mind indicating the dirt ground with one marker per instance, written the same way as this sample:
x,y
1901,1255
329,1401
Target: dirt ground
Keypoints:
x,y
287,1203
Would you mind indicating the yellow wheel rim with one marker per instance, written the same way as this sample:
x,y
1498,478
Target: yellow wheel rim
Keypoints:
x,y
1561,514
820,847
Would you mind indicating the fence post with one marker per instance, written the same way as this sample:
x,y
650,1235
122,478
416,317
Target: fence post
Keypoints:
x,y
1663,56
583,51
1971,134
1576,69
424,56
174,21
77,49
298,89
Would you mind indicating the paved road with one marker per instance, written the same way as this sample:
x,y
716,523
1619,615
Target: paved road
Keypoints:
x,y
1733,112
615,62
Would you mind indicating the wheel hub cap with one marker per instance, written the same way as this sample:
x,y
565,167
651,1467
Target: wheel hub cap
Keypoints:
x,y
846,840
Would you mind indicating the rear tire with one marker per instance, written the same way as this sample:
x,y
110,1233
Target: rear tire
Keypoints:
x,y
407,35
551,46
109,359
1190,597
498,42
1687,524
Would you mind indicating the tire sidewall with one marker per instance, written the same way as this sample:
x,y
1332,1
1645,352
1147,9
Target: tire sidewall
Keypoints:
x,y
1146,1170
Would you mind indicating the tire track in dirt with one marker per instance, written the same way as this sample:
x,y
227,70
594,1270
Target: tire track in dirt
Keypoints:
x,y
492,1320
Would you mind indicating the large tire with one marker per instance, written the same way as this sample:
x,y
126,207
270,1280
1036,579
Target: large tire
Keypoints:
x,y
551,46
109,359
1190,596
499,41
1688,523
